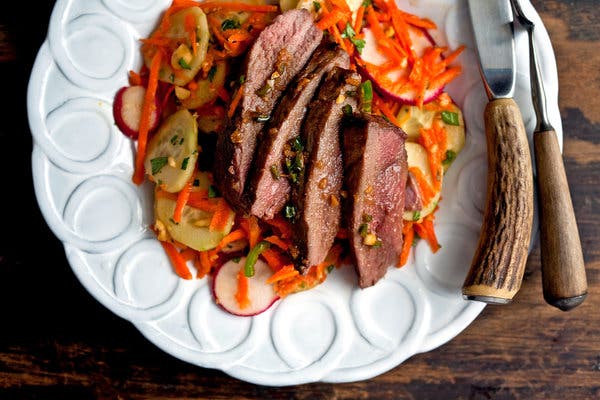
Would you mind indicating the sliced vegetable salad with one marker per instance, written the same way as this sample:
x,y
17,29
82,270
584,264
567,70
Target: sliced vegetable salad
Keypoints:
x,y
189,85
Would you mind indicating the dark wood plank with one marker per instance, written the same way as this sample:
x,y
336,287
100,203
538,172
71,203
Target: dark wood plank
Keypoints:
x,y
57,342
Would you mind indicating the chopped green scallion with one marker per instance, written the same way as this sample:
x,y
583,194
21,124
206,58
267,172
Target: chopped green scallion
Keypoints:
x,y
366,95
184,163
450,156
363,229
290,211
158,163
416,215
230,24
253,257
183,64
211,73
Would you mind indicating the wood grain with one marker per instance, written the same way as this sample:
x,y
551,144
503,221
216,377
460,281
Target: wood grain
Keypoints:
x,y
499,262
56,342
563,270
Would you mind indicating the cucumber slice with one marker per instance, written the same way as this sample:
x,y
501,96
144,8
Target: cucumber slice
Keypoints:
x,y
190,230
187,70
206,90
413,119
172,153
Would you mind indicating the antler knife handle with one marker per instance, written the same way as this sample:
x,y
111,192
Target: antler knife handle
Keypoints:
x,y
563,268
499,262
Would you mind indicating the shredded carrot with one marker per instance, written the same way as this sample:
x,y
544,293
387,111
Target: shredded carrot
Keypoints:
x,y
427,192
418,22
330,19
425,230
200,201
235,101
204,264
409,235
284,273
277,242
274,259
179,4
189,254
147,110
233,236
386,111
435,142
182,199
360,13
222,216
283,226
177,260
452,56
135,79
241,295
253,231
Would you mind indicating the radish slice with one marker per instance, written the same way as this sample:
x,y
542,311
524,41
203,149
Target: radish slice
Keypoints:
x,y
127,110
261,294
389,83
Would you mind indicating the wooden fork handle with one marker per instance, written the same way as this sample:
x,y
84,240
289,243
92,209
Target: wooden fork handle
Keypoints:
x,y
563,268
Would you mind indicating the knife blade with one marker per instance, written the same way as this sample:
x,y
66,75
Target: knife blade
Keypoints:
x,y
498,265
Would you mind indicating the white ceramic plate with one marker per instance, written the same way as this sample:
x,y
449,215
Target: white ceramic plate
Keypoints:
x,y
336,333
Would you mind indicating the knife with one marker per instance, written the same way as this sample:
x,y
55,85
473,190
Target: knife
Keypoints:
x,y
499,262
563,270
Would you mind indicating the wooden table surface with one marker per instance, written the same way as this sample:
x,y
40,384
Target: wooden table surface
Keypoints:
x,y
56,341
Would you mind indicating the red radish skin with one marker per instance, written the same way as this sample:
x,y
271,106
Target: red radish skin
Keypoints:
x,y
261,294
421,39
127,110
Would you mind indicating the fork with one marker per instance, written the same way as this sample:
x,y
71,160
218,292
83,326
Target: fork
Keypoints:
x,y
563,269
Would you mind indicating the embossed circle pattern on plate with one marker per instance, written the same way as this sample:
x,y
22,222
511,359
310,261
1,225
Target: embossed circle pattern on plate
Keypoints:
x,y
92,50
80,135
230,331
145,281
444,271
383,326
102,214
307,330
136,10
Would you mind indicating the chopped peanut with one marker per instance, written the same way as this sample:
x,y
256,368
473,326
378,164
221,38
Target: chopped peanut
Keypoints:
x,y
370,239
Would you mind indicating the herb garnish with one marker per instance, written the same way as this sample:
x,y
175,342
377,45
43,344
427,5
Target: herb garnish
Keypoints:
x,y
230,24
184,163
212,192
183,64
290,211
451,118
366,95
349,33
450,156
158,163
211,73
